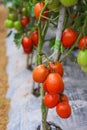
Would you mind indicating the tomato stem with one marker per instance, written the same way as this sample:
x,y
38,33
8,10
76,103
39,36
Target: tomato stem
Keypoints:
x,y
39,61
59,32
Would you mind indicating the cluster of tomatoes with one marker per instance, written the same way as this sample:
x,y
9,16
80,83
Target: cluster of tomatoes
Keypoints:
x,y
29,42
69,36
13,21
53,86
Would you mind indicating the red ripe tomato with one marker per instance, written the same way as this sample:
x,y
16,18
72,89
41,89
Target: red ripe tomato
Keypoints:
x,y
54,83
27,45
45,87
40,73
63,109
83,43
56,67
27,51
34,38
24,21
51,100
63,97
69,37
37,10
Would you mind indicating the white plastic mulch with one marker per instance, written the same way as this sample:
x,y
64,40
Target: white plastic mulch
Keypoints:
x,y
24,113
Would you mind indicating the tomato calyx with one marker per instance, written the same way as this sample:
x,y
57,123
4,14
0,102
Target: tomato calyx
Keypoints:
x,y
56,67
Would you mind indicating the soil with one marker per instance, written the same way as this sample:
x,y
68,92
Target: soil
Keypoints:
x,y
4,103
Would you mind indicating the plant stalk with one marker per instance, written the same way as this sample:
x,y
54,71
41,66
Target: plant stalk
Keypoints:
x,y
59,33
39,61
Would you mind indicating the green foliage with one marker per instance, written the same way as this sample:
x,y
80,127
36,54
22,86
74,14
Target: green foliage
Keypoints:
x,y
9,34
18,39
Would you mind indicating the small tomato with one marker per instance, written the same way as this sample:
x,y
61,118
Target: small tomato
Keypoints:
x,y
40,73
37,10
82,58
54,83
63,110
27,45
82,43
69,37
24,21
56,67
34,38
51,101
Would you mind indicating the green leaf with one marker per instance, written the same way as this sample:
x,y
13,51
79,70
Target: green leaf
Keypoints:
x,y
57,44
18,39
9,34
5,2
52,41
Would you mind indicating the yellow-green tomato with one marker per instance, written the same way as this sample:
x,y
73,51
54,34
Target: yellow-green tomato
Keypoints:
x,y
84,69
68,3
12,16
9,23
24,11
17,25
53,5
82,58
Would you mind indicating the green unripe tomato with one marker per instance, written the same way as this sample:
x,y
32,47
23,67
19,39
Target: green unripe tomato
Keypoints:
x,y
82,58
24,11
68,3
53,5
9,23
12,16
17,25
84,69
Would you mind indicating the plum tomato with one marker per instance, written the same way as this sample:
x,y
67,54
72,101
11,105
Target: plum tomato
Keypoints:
x,y
50,100
40,73
69,37
54,83
83,43
37,10
56,67
63,110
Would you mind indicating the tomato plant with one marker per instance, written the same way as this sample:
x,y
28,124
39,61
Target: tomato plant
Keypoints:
x,y
83,43
63,109
54,83
67,20
50,100
40,73
69,37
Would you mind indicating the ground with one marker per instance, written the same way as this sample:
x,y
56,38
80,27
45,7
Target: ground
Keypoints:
x,y
4,103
